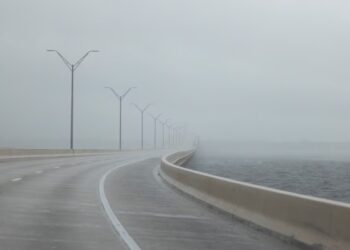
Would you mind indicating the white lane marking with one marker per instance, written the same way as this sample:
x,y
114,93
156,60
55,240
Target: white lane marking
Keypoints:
x,y
56,167
39,171
130,242
16,179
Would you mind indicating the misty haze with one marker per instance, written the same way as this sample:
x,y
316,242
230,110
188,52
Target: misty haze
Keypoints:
x,y
163,124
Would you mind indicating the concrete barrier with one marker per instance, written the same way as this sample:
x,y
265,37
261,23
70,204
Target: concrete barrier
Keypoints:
x,y
10,151
32,153
317,222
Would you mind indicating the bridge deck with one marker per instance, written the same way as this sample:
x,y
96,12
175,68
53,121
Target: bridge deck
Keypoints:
x,y
55,203
158,217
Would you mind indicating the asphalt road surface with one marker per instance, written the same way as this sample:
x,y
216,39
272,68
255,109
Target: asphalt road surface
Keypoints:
x,y
110,201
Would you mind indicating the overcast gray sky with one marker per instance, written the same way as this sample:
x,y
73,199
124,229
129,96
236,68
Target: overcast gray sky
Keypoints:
x,y
273,70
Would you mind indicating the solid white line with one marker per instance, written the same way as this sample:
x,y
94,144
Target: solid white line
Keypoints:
x,y
113,218
16,179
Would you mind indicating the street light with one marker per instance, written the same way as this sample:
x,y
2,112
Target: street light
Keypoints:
x,y
163,126
142,111
175,135
72,68
169,130
155,119
120,98
180,135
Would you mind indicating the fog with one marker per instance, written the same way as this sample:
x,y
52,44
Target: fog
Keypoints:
x,y
238,71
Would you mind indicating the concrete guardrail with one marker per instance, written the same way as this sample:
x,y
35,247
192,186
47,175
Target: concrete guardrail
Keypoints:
x,y
317,222
32,153
48,151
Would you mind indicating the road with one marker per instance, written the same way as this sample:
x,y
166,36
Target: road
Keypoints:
x,y
110,201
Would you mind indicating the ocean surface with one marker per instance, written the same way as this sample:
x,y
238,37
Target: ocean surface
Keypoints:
x,y
322,175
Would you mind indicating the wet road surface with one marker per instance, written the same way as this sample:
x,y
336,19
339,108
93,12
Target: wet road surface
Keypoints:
x,y
56,203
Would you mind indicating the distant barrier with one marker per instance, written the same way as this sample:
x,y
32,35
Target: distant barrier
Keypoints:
x,y
43,152
317,222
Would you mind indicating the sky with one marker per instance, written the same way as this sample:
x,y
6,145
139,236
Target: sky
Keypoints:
x,y
248,70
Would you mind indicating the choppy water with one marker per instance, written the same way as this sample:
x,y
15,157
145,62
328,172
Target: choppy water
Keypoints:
x,y
321,178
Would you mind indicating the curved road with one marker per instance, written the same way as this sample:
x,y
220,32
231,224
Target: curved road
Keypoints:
x,y
57,203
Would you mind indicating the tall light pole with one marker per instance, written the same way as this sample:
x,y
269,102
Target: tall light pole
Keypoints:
x,y
163,127
155,119
169,130
72,68
180,135
142,112
120,98
175,134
